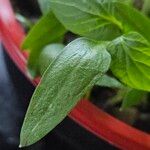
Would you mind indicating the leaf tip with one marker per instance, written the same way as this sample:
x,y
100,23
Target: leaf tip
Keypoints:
x,y
24,142
20,146
25,139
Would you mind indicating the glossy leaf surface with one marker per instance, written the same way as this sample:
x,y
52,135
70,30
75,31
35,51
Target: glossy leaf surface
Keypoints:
x,y
100,19
64,83
131,60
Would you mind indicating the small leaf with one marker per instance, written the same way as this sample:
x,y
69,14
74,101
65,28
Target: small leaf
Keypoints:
x,y
63,84
44,6
47,30
132,98
131,60
100,19
107,81
48,54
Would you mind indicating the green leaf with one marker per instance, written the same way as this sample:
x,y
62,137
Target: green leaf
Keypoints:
x,y
44,6
92,19
48,54
107,81
47,30
131,60
146,7
100,19
132,98
64,83
129,2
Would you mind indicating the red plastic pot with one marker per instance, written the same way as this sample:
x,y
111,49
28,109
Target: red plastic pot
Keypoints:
x,y
85,113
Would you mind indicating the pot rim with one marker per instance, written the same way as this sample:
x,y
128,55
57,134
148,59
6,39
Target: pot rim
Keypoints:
x,y
85,113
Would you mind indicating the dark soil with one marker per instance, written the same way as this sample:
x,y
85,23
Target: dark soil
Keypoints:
x,y
138,117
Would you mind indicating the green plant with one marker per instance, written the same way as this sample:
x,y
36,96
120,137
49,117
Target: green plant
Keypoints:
x,y
115,36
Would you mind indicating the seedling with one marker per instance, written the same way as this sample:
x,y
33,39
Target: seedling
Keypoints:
x,y
114,37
